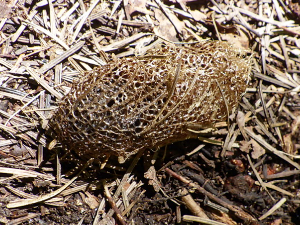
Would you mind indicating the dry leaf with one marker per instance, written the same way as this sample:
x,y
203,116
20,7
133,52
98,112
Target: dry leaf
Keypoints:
x,y
91,200
153,181
197,15
136,6
288,144
295,125
238,39
245,146
5,9
258,151
240,119
165,28
276,222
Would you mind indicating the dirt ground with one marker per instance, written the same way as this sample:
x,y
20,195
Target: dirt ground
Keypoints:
x,y
242,172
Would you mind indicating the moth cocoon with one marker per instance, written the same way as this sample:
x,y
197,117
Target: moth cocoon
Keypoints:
x,y
150,101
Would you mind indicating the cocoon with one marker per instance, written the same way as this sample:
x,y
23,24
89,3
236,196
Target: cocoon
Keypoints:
x,y
150,101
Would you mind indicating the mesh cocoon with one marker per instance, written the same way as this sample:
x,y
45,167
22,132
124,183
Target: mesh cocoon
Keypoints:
x,y
150,101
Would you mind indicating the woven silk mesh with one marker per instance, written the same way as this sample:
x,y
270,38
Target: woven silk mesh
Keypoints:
x,y
150,101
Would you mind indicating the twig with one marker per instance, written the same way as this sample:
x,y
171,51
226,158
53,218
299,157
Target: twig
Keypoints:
x,y
238,212
113,204
83,19
272,186
282,174
23,26
119,44
24,219
188,218
25,173
271,80
192,205
128,172
43,30
133,203
258,177
42,82
263,19
46,197
271,148
60,58
24,106
173,19
69,12
273,209
41,198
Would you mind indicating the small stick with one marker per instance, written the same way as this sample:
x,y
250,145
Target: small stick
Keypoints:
x,y
188,218
60,58
238,212
258,177
113,204
215,25
272,149
192,205
272,186
273,209
43,198
24,106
